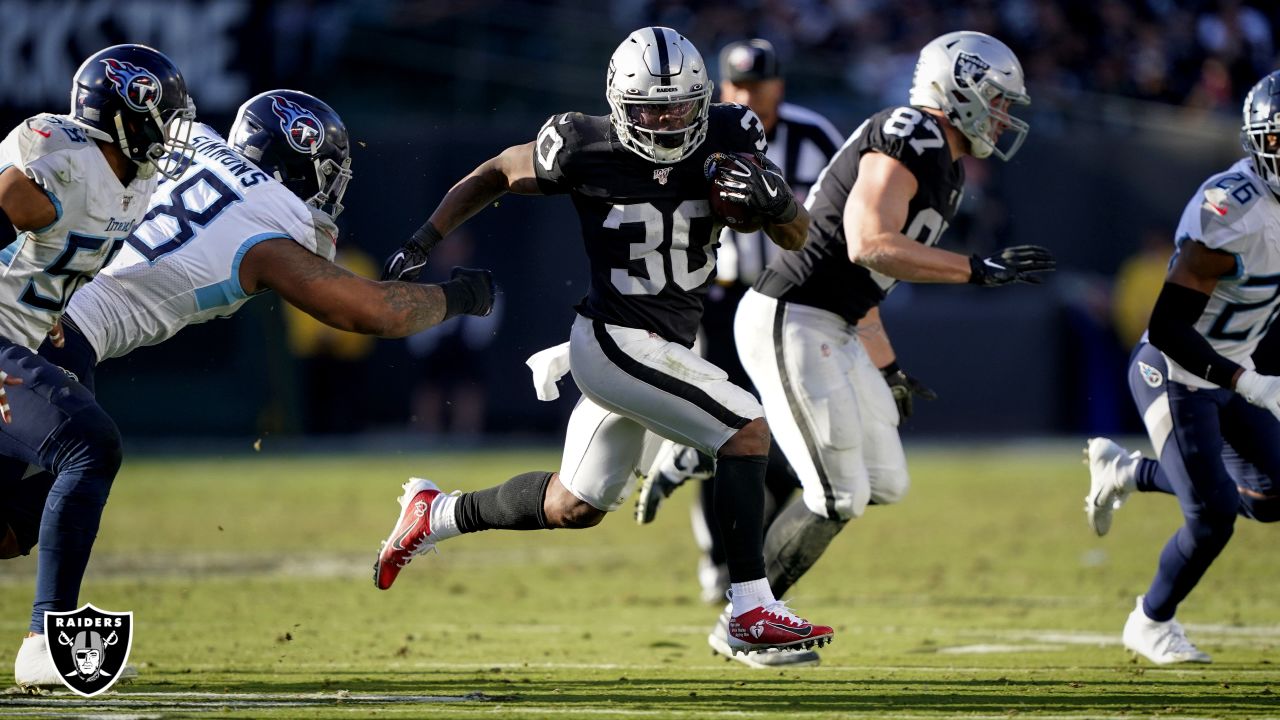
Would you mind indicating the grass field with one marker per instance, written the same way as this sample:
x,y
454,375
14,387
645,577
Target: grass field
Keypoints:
x,y
983,595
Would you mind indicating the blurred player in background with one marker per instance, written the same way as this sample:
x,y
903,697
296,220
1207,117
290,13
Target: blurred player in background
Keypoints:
x,y
1212,414
239,219
71,188
639,181
800,142
809,333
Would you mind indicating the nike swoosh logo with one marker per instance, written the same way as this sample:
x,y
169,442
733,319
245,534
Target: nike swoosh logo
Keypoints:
x,y
988,263
773,191
808,629
399,543
41,133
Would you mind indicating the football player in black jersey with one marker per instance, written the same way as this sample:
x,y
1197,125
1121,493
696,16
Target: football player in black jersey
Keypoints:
x,y
639,181
877,209
801,142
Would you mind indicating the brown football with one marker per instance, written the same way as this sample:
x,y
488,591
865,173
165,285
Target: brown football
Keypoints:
x,y
737,216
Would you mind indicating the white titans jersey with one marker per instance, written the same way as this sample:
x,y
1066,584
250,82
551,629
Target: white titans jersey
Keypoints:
x,y
1235,212
42,268
802,142
182,265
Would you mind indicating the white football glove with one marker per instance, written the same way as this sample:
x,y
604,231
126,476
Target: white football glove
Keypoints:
x,y
1261,390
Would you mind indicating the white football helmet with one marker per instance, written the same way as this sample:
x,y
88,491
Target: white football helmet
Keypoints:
x,y
659,95
975,79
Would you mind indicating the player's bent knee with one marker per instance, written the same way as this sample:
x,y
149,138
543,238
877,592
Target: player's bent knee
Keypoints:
x,y
563,509
889,488
751,439
91,445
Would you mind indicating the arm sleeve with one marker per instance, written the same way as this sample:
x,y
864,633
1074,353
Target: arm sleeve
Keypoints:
x,y
1173,332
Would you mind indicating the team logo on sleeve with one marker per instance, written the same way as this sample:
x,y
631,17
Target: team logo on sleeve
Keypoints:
x,y
89,647
140,89
1150,375
303,129
970,69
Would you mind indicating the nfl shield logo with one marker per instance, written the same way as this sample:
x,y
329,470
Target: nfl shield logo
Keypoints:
x,y
89,647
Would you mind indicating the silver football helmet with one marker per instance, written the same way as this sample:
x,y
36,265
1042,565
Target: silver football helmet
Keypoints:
x,y
659,95
975,79
1260,134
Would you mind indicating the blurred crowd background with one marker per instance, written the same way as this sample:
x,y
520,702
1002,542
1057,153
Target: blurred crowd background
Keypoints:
x,y
1134,102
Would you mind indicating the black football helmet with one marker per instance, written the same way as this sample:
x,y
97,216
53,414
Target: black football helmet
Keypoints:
x,y
1260,134
135,97
299,140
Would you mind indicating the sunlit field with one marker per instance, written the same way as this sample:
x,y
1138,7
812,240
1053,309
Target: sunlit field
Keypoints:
x,y
983,595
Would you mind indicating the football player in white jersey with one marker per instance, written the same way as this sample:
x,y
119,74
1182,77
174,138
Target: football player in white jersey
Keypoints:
x,y
1213,418
243,217
71,188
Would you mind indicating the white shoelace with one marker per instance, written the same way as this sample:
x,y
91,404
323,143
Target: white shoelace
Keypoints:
x,y
779,609
1174,640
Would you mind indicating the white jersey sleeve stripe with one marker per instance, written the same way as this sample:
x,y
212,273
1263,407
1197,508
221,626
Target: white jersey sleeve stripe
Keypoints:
x,y
229,291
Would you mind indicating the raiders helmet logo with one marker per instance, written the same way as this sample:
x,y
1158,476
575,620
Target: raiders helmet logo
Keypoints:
x,y
89,647
140,89
969,69
301,127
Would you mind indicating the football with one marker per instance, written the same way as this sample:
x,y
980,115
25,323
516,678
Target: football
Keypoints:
x,y
737,216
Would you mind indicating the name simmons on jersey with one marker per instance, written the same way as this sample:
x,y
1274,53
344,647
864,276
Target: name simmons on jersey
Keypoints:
x,y
820,274
215,148
649,233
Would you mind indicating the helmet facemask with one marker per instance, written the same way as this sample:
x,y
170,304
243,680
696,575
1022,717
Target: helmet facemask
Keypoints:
x,y
664,130
332,180
1263,143
981,112
152,140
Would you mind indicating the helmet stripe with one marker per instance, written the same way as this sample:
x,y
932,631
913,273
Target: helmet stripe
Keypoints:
x,y
664,60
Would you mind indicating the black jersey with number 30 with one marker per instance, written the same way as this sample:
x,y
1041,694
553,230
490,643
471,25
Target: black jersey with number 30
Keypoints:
x,y
648,229
821,274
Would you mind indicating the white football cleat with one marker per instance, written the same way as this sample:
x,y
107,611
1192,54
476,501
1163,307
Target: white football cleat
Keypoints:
x,y
673,466
33,666
761,660
1163,643
1112,476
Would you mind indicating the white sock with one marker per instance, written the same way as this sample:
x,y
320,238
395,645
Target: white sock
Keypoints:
x,y
750,595
444,524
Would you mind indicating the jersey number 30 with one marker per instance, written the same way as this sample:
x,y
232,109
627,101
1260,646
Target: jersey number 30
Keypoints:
x,y
656,226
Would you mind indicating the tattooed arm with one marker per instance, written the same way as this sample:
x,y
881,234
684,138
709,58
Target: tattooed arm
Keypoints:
x,y
337,297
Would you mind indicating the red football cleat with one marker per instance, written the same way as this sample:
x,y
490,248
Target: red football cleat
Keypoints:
x,y
412,534
775,626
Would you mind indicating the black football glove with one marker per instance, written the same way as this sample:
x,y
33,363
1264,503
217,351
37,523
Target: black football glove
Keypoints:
x,y
904,389
468,292
407,262
1010,265
759,188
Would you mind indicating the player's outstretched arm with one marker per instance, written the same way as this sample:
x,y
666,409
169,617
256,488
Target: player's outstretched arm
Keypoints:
x,y
23,206
510,171
343,300
874,215
1183,299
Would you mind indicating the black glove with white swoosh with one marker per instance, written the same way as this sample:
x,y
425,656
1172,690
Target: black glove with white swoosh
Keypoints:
x,y
905,388
406,264
1018,263
757,185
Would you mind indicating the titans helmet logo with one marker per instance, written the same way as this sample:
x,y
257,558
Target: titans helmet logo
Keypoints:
x,y
969,69
140,89
301,127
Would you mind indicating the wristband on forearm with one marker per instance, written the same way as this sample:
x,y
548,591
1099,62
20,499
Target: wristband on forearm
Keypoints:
x,y
426,237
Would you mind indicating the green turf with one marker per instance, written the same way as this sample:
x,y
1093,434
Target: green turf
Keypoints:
x,y
982,595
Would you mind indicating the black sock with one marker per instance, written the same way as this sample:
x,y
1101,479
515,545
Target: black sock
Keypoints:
x,y
739,488
514,505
